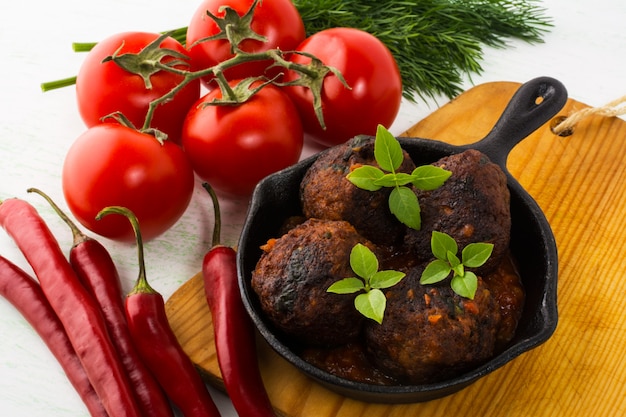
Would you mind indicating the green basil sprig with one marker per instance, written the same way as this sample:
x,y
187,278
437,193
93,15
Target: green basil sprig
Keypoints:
x,y
445,249
403,203
372,302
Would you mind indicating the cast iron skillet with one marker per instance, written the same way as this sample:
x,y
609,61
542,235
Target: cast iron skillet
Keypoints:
x,y
532,244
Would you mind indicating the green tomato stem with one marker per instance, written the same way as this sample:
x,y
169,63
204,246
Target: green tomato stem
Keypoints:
x,y
54,85
217,71
179,34
83,46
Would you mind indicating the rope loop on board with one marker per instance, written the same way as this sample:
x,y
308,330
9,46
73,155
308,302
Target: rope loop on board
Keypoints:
x,y
564,125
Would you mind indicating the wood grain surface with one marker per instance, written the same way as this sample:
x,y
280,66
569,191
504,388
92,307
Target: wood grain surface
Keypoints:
x,y
579,182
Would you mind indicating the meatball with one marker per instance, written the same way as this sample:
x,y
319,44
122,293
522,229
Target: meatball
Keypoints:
x,y
429,333
506,286
292,276
327,194
473,205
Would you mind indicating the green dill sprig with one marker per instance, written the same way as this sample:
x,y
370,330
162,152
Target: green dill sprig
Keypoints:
x,y
435,42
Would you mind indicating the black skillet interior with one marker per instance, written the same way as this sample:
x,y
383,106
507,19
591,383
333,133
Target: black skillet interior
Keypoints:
x,y
532,244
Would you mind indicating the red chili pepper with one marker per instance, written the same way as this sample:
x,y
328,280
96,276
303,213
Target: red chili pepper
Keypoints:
x,y
157,343
97,271
234,333
25,294
73,305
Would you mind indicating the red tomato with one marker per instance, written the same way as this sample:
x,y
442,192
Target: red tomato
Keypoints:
x,y
104,88
234,147
369,69
113,165
277,20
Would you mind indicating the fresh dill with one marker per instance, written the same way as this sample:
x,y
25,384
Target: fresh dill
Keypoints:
x,y
435,42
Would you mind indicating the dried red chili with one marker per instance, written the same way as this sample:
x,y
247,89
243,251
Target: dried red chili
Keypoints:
x,y
97,271
157,343
25,294
234,334
73,305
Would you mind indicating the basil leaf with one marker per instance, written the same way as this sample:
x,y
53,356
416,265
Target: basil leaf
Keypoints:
x,y
346,286
453,259
436,271
458,269
465,285
371,304
387,150
394,179
476,254
386,279
441,244
363,261
429,177
404,205
365,177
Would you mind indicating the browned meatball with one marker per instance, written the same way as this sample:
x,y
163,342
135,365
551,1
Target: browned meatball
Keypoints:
x,y
327,194
473,205
429,333
506,286
292,276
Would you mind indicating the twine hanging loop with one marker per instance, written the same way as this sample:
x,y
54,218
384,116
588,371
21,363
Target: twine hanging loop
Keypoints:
x,y
564,125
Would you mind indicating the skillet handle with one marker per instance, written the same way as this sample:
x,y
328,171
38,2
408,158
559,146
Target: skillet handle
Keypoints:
x,y
532,105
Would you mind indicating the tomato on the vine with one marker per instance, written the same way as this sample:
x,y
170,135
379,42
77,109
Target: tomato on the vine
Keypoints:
x,y
371,72
114,165
277,20
103,88
233,147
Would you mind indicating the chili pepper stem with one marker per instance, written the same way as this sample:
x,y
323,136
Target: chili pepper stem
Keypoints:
x,y
141,286
217,226
78,236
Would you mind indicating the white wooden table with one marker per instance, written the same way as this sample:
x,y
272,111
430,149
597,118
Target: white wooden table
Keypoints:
x,y
586,50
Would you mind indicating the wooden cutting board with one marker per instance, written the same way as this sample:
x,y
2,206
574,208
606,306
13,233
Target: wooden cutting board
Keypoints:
x,y
580,183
